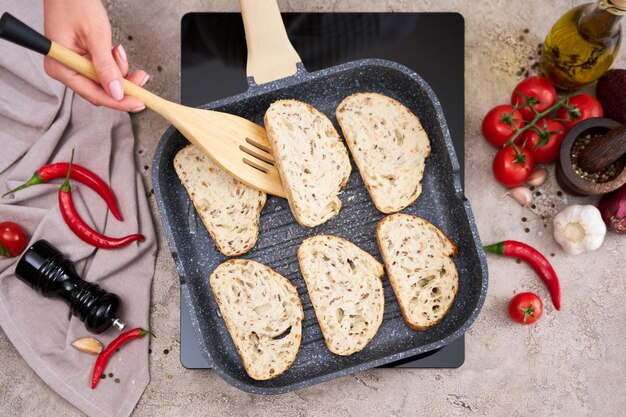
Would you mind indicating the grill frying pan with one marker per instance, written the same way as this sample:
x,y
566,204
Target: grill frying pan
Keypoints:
x,y
442,203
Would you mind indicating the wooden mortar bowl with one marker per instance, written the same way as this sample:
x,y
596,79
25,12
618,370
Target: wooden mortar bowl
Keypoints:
x,y
568,179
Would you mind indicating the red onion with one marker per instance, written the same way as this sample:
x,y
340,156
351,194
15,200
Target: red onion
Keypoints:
x,y
612,206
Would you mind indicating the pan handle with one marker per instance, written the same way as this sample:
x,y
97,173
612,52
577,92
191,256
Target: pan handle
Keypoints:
x,y
270,54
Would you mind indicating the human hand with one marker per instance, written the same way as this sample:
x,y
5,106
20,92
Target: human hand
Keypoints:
x,y
83,26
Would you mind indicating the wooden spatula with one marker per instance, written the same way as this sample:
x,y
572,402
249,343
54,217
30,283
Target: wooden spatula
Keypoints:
x,y
235,144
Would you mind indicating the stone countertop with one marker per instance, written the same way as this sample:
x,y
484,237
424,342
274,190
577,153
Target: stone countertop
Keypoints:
x,y
570,363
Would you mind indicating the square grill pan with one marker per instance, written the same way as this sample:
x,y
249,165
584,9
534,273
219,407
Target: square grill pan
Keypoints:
x,y
442,203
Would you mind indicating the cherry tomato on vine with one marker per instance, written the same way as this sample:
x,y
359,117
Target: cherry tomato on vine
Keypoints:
x,y
498,125
12,239
525,308
544,140
513,165
538,90
583,105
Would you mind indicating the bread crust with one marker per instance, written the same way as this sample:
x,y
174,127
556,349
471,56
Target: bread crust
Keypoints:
x,y
308,279
217,239
288,183
232,329
394,280
383,206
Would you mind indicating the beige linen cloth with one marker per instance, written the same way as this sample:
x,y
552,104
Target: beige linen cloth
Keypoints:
x,y
41,121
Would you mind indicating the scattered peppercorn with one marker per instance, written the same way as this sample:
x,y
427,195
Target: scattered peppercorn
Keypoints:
x,y
130,37
159,68
524,219
166,351
527,230
110,375
117,380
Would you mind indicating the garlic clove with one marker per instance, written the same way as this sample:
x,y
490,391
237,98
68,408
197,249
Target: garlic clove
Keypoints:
x,y
538,177
88,345
522,195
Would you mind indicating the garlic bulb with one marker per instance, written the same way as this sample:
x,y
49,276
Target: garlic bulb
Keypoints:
x,y
579,229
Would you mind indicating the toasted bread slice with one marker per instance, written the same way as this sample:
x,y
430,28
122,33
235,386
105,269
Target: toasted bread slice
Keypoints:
x,y
344,283
229,209
418,259
312,161
263,315
389,146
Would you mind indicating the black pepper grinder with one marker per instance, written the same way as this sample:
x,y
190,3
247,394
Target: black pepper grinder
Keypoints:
x,y
45,269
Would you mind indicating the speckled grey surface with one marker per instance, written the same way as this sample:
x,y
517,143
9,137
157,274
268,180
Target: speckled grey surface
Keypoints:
x,y
442,203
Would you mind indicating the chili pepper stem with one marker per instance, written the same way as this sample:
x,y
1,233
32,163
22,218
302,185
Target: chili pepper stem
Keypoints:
x,y
35,180
66,184
497,248
143,332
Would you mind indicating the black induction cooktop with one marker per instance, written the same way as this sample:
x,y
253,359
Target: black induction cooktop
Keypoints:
x,y
213,61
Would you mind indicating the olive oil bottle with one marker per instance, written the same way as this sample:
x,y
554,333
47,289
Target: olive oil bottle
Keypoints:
x,y
583,43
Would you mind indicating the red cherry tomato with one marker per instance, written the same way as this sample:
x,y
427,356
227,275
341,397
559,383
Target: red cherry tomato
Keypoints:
x,y
544,140
498,125
512,168
588,107
525,308
12,239
538,87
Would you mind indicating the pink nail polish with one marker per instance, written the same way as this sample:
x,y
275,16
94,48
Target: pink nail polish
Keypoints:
x,y
115,90
137,109
144,81
122,52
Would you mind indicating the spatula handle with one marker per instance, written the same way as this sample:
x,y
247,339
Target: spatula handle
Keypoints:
x,y
16,31
270,54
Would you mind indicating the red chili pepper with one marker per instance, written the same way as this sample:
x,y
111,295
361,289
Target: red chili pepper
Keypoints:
x,y
103,358
82,229
533,258
81,174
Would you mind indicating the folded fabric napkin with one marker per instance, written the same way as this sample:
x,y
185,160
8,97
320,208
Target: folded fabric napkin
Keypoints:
x,y
41,121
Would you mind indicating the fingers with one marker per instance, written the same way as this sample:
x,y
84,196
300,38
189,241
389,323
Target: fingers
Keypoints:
x,y
119,54
92,92
107,70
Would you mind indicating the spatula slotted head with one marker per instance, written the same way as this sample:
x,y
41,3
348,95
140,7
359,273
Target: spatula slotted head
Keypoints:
x,y
235,144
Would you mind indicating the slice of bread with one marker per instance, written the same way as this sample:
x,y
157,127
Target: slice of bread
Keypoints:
x,y
312,161
389,146
229,209
344,283
263,315
418,259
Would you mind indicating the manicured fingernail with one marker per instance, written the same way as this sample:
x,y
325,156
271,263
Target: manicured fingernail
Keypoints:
x,y
115,90
137,109
122,53
144,81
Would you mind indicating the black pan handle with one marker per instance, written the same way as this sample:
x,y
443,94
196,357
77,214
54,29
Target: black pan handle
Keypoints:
x,y
18,32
